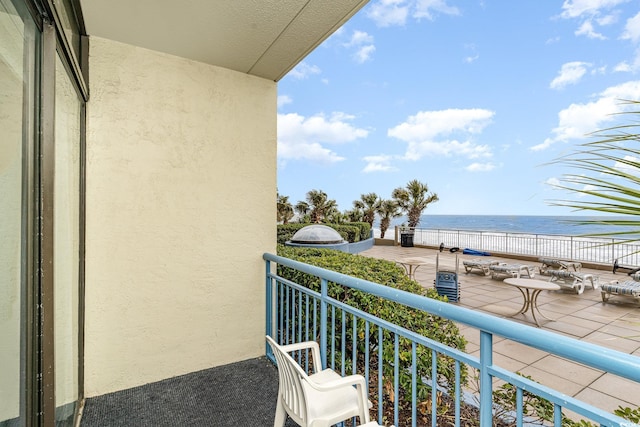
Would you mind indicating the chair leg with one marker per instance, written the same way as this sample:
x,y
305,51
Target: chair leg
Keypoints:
x,y
281,414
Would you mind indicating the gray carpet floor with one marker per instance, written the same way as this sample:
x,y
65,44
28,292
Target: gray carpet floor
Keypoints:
x,y
241,394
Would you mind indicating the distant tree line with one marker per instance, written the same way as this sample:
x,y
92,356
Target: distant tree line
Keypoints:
x,y
317,207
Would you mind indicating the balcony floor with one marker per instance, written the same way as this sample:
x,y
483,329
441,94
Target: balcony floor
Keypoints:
x,y
615,325
238,394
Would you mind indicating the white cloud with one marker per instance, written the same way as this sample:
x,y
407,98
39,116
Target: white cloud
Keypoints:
x,y
474,53
381,163
632,29
570,73
363,43
586,29
470,59
608,19
284,100
480,167
629,67
626,168
304,70
386,13
359,38
591,13
424,9
302,138
435,133
553,181
364,53
578,8
578,120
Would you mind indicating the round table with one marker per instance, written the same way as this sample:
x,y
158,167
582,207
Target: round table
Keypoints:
x,y
530,289
410,265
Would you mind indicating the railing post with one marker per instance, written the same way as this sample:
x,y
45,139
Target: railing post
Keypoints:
x,y
269,308
323,322
571,248
486,388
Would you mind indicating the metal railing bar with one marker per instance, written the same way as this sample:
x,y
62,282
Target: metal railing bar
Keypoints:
x,y
613,361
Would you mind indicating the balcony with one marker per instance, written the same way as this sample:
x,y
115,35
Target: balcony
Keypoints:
x,y
582,361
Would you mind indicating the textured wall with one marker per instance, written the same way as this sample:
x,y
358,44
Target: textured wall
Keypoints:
x,y
181,188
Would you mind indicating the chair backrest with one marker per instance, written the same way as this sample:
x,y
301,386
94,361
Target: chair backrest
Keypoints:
x,y
291,376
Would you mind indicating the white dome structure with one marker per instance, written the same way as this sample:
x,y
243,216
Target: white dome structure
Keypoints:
x,y
317,235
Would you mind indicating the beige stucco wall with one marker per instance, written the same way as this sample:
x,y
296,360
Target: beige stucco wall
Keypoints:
x,y
181,188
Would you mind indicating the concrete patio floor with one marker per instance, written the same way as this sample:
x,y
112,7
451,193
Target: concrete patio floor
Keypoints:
x,y
615,325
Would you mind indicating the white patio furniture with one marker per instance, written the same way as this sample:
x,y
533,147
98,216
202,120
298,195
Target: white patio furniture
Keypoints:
x,y
321,399
558,264
629,288
512,270
481,264
573,280
530,289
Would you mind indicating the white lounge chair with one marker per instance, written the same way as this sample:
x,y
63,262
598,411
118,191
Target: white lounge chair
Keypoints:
x,y
558,264
629,288
512,270
481,264
321,399
573,279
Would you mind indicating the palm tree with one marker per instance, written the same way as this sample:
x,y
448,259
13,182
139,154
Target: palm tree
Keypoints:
x,y
334,216
368,204
413,200
284,209
302,208
387,209
320,205
354,215
607,177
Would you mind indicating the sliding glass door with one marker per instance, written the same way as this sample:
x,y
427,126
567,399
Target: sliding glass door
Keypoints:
x,y
18,43
41,234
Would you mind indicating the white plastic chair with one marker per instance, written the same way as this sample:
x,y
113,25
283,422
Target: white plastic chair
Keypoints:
x,y
321,399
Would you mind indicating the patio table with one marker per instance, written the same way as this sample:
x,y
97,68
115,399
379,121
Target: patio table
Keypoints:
x,y
530,289
411,265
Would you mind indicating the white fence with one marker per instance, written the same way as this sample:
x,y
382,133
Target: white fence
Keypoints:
x,y
585,249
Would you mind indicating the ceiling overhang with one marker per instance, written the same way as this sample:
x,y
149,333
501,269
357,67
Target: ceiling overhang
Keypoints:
x,y
258,37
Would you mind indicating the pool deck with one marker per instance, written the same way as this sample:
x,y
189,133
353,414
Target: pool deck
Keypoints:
x,y
615,324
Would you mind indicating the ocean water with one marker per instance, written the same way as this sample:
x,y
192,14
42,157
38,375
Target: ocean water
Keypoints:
x,y
552,225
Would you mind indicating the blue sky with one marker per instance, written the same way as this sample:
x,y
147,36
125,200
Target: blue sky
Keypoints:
x,y
473,97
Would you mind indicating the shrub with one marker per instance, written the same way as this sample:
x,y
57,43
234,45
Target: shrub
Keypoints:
x,y
389,274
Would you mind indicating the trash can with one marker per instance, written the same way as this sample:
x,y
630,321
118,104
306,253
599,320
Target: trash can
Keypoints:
x,y
406,240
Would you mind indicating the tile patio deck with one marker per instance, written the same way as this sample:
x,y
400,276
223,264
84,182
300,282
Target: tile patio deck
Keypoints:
x,y
615,325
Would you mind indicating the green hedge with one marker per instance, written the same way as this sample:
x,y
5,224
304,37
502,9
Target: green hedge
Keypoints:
x,y
350,231
389,274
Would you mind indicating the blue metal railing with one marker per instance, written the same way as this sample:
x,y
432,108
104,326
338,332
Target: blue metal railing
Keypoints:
x,y
296,313
601,250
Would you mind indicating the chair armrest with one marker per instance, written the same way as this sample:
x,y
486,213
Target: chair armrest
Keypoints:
x,y
351,380
307,345
355,380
